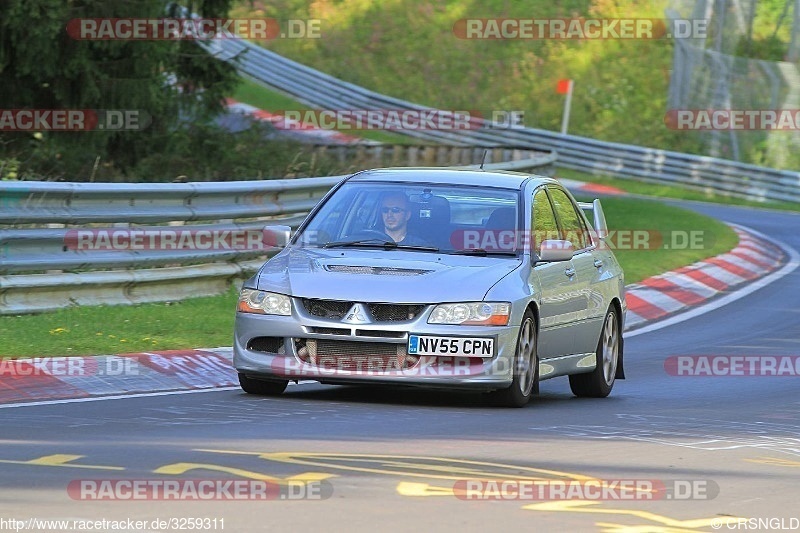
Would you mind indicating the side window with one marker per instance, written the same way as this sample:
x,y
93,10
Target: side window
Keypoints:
x,y
574,230
544,221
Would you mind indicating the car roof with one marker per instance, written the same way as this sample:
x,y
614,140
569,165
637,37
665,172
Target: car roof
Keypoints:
x,y
450,176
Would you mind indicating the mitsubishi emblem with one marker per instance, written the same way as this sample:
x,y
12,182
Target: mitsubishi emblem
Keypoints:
x,y
357,314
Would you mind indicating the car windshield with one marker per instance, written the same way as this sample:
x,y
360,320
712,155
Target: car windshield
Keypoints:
x,y
454,219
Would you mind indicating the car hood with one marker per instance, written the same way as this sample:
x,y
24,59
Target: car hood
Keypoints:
x,y
382,275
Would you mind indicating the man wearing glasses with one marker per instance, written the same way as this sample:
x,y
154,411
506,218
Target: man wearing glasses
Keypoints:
x,y
395,212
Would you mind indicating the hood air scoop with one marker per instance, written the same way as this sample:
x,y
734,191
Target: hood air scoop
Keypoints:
x,y
376,271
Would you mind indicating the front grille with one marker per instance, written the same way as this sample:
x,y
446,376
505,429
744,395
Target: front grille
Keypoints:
x,y
335,310
380,333
354,356
326,308
329,331
394,312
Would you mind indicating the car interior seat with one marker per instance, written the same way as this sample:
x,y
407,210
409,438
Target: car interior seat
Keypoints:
x,y
430,220
502,218
501,225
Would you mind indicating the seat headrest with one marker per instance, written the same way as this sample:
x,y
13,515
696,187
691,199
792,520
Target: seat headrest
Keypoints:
x,y
502,218
436,209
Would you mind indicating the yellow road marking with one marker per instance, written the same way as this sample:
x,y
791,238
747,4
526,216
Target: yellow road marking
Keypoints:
x,y
407,488
582,506
181,468
774,461
60,459
608,527
394,461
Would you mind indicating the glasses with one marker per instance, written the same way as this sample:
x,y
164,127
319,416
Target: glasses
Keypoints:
x,y
394,210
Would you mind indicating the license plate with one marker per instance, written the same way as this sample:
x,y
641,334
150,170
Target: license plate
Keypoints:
x,y
459,346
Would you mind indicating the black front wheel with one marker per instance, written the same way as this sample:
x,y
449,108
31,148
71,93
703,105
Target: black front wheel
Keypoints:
x,y
526,367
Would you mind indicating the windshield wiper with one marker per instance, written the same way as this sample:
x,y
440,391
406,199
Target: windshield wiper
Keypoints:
x,y
482,252
377,243
417,247
372,243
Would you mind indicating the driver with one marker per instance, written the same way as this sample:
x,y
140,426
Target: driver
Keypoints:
x,y
396,212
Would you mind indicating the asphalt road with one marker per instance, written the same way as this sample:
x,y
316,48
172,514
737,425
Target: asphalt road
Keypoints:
x,y
389,459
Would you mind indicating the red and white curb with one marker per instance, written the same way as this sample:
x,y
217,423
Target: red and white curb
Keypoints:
x,y
49,380
281,123
669,293
39,379
590,188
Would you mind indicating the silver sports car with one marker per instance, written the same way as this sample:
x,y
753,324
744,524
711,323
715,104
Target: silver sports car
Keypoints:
x,y
459,279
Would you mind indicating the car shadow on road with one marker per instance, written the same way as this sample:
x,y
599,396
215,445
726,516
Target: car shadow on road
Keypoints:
x,y
411,396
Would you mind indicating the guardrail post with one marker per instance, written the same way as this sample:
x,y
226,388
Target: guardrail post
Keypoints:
x,y
413,156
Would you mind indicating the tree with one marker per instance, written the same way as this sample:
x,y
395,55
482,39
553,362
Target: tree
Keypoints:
x,y
42,67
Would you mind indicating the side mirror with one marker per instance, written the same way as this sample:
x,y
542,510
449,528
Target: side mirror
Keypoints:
x,y
600,225
556,250
276,236
600,230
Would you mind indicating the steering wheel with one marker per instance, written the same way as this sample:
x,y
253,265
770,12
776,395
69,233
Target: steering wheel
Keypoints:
x,y
371,234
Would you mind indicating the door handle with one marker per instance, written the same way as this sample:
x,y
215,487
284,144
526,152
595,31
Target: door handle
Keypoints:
x,y
569,272
598,263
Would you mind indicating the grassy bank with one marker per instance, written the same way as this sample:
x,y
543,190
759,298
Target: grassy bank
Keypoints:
x,y
261,97
670,191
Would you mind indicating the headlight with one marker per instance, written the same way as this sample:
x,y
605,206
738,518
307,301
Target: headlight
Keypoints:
x,y
264,303
472,314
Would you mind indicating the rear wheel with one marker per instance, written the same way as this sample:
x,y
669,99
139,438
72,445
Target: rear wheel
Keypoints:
x,y
262,387
598,383
526,367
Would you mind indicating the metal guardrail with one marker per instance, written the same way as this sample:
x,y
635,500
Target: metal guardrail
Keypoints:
x,y
41,268
627,161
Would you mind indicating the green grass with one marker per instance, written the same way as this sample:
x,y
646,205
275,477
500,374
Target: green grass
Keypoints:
x,y
670,191
261,97
102,330
667,221
208,322
252,93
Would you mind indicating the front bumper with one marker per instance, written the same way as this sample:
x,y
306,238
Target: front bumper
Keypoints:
x,y
287,357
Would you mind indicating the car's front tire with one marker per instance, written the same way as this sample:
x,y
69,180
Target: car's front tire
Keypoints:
x,y
526,367
599,382
262,387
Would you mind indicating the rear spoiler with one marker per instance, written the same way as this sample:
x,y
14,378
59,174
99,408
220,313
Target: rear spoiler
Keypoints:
x,y
599,218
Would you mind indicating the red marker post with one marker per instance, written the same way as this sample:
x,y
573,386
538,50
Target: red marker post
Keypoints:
x,y
565,87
